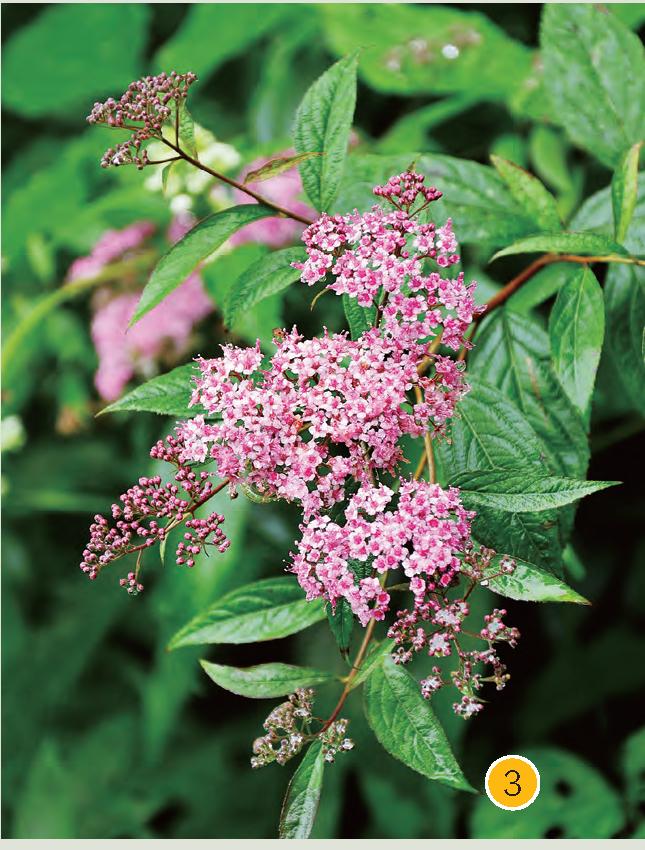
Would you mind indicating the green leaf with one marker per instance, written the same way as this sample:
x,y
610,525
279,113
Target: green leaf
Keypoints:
x,y
323,121
548,151
625,306
491,432
220,277
512,352
186,129
277,166
211,33
265,610
267,277
596,215
360,319
45,807
529,583
542,286
594,75
531,195
165,175
167,394
520,491
576,332
52,65
406,726
633,764
410,131
574,812
303,795
631,14
177,263
265,680
341,623
587,244
624,191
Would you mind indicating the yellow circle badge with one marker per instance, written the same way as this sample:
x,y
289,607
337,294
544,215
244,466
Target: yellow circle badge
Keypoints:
x,y
512,783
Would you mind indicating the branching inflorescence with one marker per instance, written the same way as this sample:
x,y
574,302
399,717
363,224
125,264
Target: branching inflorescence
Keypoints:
x,y
320,424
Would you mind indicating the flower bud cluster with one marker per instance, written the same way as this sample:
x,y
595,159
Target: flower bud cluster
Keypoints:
x,y
203,533
143,109
137,517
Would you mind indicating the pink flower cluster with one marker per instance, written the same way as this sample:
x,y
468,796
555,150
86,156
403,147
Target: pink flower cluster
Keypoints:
x,y
380,258
323,411
136,518
320,422
421,530
284,189
143,109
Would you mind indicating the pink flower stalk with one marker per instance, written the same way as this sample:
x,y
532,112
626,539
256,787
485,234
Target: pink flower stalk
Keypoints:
x,y
123,352
285,190
320,423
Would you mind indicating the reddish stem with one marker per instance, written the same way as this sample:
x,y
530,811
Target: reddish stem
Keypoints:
x,y
240,186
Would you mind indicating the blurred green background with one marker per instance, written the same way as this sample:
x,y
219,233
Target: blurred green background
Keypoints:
x,y
105,734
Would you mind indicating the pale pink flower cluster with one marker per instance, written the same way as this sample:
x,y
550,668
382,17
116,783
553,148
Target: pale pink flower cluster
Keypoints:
x,y
122,351
288,728
284,189
113,245
420,530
